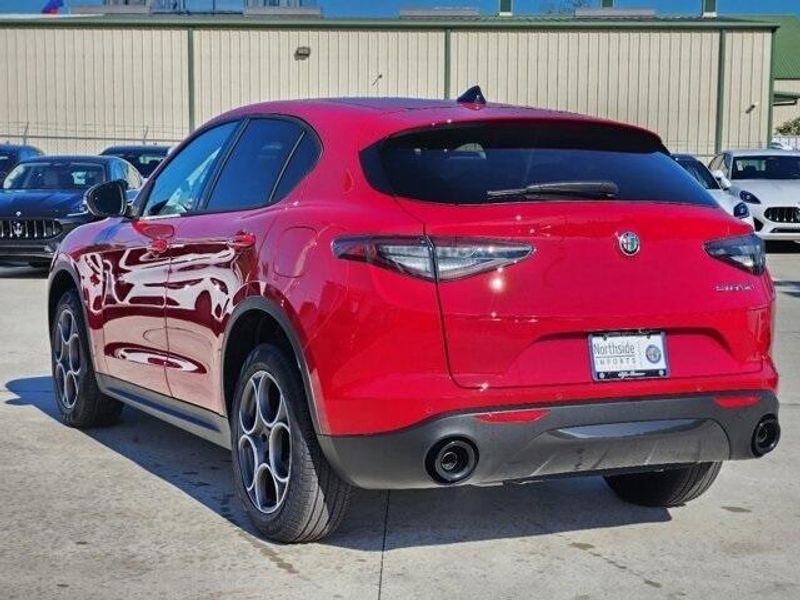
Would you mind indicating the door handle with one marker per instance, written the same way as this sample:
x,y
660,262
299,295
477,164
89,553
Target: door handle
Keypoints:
x,y
158,246
242,240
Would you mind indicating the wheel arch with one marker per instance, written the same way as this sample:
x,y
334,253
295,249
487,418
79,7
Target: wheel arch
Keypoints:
x,y
258,320
61,280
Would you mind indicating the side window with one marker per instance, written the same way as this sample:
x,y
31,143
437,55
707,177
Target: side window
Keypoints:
x,y
133,178
254,166
726,159
303,160
179,185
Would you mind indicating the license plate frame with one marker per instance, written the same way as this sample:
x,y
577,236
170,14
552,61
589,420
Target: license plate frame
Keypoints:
x,y
628,356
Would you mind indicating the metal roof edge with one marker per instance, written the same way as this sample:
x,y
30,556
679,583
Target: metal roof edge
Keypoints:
x,y
243,22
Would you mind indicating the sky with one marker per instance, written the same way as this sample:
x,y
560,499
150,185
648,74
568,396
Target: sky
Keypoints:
x,y
389,8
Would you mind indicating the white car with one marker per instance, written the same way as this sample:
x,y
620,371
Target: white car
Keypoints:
x,y
769,182
733,206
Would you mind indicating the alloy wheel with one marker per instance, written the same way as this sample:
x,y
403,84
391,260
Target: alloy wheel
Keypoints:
x,y
265,442
68,360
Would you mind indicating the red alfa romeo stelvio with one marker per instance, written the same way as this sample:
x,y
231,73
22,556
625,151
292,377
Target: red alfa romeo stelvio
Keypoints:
x,y
405,293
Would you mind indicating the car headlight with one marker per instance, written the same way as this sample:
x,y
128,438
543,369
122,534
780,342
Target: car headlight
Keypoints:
x,y
741,210
749,198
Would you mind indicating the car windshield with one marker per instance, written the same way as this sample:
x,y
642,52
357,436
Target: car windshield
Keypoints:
x,y
54,175
766,167
697,170
145,162
471,163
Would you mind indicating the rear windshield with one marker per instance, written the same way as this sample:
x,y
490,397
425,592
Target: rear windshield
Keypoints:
x,y
461,164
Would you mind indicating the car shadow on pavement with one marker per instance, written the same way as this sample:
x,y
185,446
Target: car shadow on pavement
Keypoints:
x,y
790,288
8,272
377,520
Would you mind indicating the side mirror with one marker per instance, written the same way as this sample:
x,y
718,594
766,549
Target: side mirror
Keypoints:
x,y
108,199
721,179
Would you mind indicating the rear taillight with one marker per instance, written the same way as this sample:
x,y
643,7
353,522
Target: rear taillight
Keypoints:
x,y
431,258
745,252
461,258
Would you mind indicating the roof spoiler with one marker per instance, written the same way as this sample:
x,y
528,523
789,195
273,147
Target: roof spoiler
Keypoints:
x,y
473,95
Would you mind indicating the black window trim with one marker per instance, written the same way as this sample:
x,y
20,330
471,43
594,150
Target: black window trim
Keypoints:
x,y
200,207
279,178
229,143
305,130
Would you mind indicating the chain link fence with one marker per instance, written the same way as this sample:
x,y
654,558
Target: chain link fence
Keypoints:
x,y
87,139
787,141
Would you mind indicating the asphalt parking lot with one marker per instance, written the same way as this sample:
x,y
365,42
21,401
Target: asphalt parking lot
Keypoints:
x,y
144,510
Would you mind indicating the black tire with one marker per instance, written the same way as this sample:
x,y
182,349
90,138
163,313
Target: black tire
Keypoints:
x,y
80,404
671,487
313,501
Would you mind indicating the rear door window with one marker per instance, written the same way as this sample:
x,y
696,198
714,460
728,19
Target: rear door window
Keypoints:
x,y
255,165
462,164
303,159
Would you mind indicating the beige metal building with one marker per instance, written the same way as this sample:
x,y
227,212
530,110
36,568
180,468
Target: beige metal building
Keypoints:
x,y
81,83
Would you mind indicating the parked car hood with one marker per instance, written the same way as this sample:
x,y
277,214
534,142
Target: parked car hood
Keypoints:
x,y
34,203
771,192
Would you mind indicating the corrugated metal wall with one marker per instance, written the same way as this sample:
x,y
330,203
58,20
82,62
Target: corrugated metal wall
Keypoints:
x,y
235,67
84,88
665,81
77,90
746,103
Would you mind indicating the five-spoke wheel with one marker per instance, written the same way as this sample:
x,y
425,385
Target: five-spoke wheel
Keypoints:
x,y
284,481
67,358
78,397
265,442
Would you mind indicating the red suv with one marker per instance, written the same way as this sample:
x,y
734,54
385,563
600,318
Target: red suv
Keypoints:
x,y
396,293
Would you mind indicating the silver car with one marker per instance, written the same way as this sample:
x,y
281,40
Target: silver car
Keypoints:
x,y
769,182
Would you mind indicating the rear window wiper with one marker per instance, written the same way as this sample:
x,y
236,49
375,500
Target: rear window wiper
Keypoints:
x,y
598,190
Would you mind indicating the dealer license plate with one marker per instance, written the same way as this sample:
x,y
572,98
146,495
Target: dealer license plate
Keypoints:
x,y
617,356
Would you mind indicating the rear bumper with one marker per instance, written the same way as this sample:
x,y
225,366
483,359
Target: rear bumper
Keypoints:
x,y
559,440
